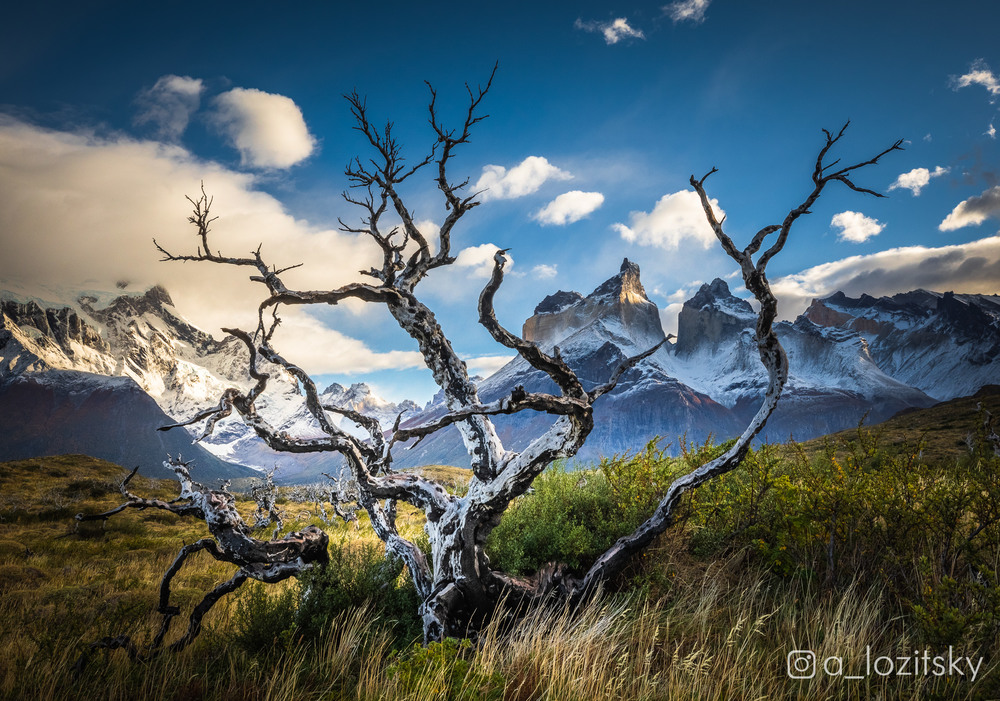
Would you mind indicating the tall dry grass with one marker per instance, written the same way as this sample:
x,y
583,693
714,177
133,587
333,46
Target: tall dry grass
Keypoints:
x,y
716,630
722,635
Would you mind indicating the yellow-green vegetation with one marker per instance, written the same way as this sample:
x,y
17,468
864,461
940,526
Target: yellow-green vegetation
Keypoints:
x,y
942,431
855,548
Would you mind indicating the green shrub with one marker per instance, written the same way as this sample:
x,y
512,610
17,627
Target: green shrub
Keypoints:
x,y
358,575
266,618
441,671
859,511
570,517
263,618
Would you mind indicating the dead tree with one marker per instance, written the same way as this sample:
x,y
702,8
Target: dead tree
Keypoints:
x,y
458,587
265,494
265,561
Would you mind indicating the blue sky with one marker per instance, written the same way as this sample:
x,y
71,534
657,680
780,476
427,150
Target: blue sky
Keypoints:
x,y
599,112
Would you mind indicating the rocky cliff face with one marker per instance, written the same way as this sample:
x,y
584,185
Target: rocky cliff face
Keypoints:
x,y
833,378
620,300
711,319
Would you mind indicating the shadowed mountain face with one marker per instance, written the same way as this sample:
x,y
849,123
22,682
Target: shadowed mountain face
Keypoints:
x,y
111,418
89,367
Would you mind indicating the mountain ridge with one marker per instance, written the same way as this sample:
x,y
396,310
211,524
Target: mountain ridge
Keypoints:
x,y
847,357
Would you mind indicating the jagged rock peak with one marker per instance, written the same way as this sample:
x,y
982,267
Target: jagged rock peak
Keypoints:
x,y
624,287
333,388
153,299
711,317
718,291
822,315
557,302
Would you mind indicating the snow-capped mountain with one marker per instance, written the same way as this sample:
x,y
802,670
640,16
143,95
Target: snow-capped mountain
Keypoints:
x,y
833,378
77,341
81,368
946,344
594,335
848,359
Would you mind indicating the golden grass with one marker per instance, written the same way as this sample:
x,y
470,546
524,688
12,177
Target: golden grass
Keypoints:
x,y
718,630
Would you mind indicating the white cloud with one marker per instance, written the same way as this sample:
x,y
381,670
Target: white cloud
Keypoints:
x,y
169,104
675,217
917,179
478,260
687,10
972,267
613,31
979,74
569,207
991,132
486,365
544,272
80,212
320,349
974,210
499,183
267,129
856,227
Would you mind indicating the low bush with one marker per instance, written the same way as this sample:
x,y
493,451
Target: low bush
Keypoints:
x,y
854,511
357,576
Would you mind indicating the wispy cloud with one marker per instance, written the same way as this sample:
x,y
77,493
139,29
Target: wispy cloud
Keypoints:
x,y
544,272
687,10
569,207
478,260
499,183
979,74
168,105
856,227
674,218
613,31
267,129
917,179
974,210
991,132
972,267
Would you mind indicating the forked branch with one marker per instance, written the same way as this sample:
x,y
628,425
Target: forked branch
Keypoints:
x,y
772,357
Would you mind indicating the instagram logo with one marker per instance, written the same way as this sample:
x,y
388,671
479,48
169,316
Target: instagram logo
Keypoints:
x,y
801,664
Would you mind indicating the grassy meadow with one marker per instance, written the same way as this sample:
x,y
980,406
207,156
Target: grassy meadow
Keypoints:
x,y
873,543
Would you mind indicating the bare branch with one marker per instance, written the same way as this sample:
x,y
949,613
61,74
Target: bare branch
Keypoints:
x,y
988,429
518,400
772,357
624,367
553,366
